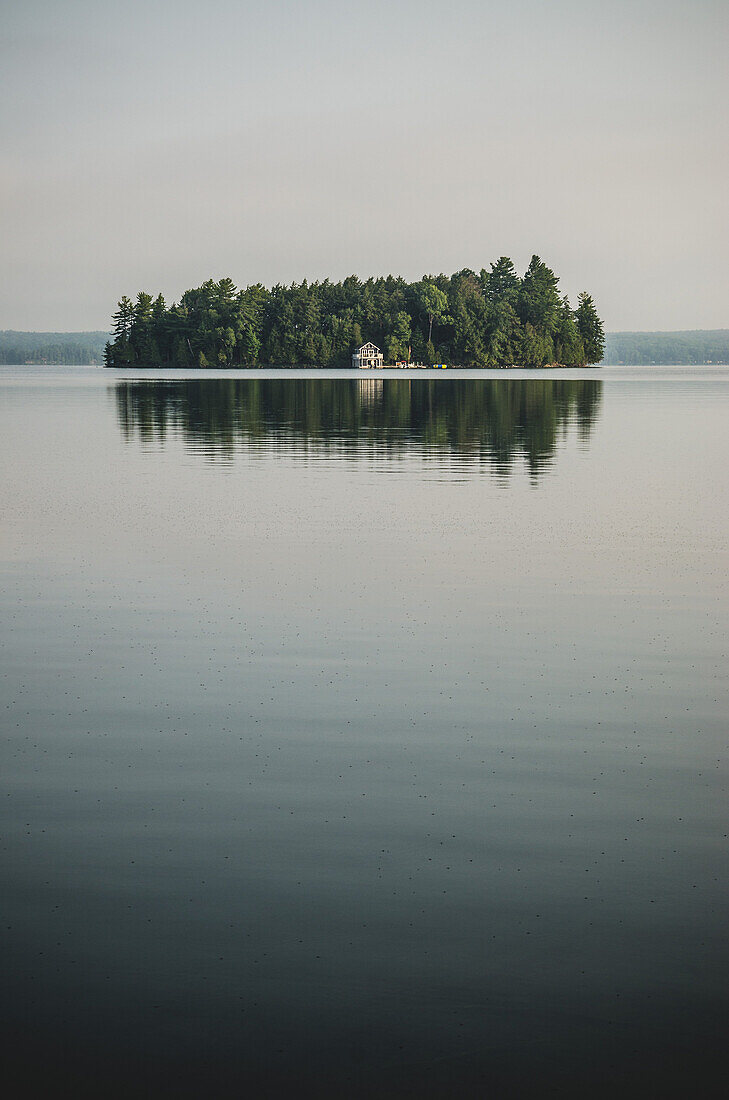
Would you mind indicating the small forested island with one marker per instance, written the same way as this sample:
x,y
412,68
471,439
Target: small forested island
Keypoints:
x,y
486,319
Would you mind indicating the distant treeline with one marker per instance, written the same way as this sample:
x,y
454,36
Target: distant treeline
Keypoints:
x,y
647,348
72,348
494,421
691,347
491,318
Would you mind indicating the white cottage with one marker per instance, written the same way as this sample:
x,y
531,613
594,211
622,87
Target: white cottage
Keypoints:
x,y
367,356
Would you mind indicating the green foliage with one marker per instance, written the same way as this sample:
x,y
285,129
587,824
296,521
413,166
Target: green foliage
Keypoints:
x,y
433,303
590,328
569,348
691,347
398,345
502,283
532,347
505,332
123,319
539,304
493,319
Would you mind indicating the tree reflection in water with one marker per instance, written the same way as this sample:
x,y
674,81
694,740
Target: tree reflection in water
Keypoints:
x,y
480,420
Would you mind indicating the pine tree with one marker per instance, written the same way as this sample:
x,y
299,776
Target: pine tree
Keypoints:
x,y
590,328
539,301
502,283
490,319
123,318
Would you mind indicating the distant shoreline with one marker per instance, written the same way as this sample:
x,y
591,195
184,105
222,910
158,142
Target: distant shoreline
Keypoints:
x,y
687,347
353,372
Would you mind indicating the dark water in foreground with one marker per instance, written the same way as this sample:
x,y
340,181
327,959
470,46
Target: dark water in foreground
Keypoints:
x,y
364,737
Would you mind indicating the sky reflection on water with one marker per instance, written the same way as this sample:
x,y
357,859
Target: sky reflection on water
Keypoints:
x,y
365,739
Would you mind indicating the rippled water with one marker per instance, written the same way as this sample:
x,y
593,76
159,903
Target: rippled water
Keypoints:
x,y
364,736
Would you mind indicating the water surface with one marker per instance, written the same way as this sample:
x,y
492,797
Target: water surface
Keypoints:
x,y
364,735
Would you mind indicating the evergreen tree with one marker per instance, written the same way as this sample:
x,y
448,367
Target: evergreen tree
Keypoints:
x,y
539,301
568,347
533,350
491,319
502,283
590,328
505,334
123,318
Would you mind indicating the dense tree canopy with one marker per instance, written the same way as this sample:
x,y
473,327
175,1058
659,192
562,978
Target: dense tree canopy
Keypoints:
x,y
489,319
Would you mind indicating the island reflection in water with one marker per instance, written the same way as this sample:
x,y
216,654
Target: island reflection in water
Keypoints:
x,y
337,763
490,420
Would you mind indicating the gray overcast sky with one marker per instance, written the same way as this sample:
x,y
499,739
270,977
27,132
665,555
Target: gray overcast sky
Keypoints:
x,y
151,145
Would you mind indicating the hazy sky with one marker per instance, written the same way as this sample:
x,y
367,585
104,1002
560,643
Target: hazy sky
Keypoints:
x,y
156,144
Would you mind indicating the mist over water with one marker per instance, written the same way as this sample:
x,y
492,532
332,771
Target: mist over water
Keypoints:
x,y
364,735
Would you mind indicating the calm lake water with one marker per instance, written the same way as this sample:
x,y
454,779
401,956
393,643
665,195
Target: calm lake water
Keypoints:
x,y
364,736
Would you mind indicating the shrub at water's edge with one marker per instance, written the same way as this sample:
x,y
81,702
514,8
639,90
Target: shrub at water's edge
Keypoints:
x,y
490,319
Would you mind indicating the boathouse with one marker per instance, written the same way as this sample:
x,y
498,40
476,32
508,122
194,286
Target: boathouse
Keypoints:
x,y
367,356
